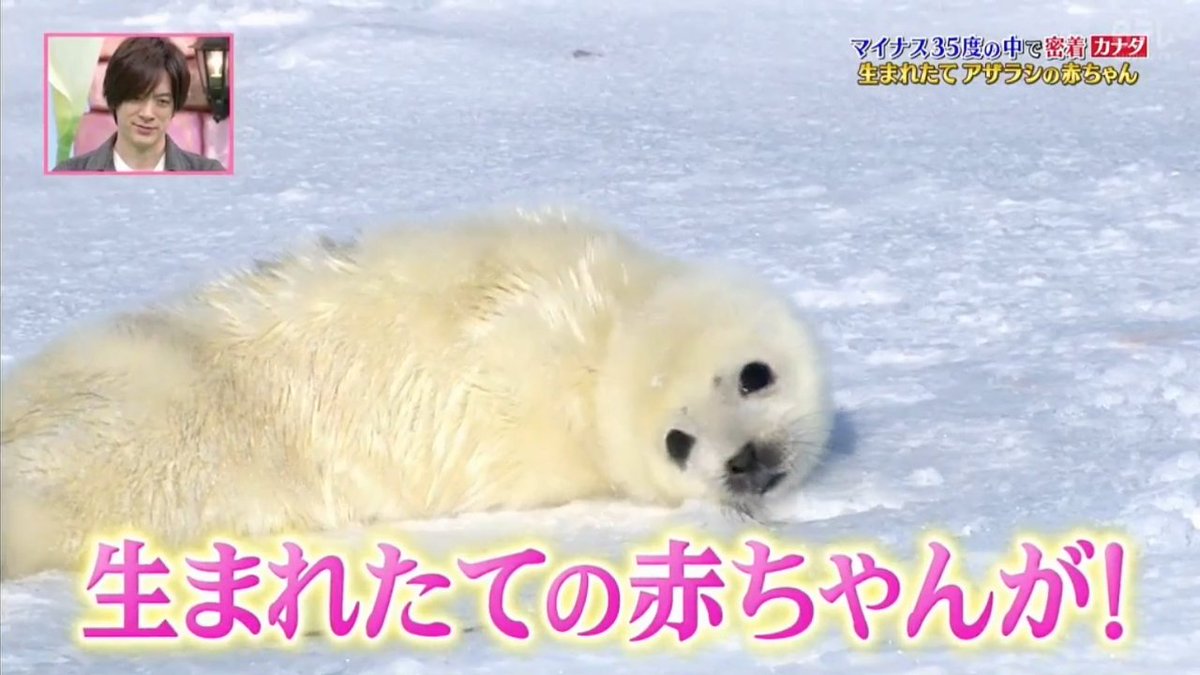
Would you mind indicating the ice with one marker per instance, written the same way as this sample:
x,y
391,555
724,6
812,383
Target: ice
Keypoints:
x,y
1005,277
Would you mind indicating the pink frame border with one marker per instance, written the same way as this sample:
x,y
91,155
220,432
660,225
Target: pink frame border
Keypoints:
x,y
46,166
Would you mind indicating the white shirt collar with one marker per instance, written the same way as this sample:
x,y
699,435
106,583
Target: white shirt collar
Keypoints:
x,y
122,166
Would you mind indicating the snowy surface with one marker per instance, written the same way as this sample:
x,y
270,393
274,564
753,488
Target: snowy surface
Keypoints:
x,y
1008,277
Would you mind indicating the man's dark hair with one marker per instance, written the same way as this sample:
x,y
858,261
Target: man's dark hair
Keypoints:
x,y
136,66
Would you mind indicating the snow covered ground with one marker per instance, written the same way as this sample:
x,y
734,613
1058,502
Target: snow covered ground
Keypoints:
x,y
1008,278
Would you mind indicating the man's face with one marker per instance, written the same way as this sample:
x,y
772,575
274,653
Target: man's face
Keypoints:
x,y
143,123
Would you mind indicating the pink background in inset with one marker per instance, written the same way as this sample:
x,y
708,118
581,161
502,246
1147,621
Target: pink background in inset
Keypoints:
x,y
192,128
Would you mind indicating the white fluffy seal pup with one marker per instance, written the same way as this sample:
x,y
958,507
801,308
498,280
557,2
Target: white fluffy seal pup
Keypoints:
x,y
502,362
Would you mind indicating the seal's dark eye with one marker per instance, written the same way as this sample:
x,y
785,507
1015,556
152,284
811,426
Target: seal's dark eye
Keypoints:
x,y
754,376
679,445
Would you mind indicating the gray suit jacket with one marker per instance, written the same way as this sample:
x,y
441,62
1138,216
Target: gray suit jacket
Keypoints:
x,y
101,159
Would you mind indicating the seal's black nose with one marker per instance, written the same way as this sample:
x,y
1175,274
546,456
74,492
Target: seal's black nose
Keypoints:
x,y
745,461
754,468
752,457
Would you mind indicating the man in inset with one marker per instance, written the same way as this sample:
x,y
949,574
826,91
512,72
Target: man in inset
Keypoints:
x,y
146,84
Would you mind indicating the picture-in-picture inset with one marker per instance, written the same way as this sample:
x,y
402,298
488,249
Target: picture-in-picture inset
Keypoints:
x,y
139,103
